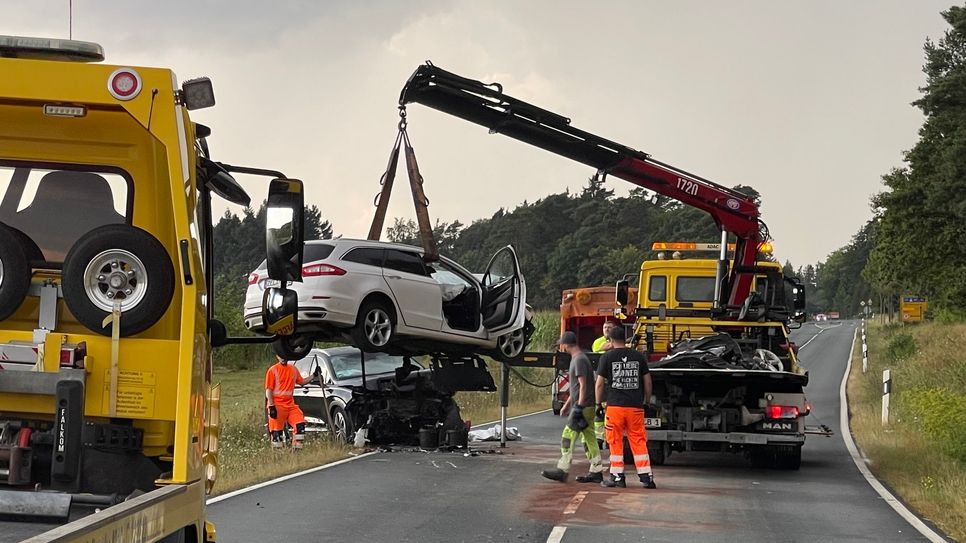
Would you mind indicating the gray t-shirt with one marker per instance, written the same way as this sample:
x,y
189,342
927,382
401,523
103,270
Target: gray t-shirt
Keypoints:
x,y
580,365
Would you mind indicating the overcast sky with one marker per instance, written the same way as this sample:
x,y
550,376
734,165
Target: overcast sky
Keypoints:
x,y
806,101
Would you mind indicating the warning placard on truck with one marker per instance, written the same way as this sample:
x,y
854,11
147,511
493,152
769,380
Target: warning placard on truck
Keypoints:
x,y
135,393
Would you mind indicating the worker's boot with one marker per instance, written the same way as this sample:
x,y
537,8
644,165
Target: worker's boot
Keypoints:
x,y
591,478
615,481
647,480
277,439
555,474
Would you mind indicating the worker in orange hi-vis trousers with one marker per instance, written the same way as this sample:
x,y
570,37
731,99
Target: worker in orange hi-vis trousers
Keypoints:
x,y
280,381
623,380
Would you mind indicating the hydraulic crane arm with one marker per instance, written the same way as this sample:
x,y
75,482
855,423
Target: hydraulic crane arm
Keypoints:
x,y
487,105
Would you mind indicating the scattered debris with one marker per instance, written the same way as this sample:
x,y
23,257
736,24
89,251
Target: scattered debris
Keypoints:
x,y
493,434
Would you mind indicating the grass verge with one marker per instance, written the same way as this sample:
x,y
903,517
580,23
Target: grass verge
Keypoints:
x,y
921,454
245,456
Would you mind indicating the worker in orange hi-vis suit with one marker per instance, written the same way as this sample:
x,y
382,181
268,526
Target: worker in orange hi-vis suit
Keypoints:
x,y
624,382
280,381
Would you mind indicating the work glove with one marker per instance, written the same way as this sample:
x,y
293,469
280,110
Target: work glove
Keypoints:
x,y
272,412
599,413
577,421
650,411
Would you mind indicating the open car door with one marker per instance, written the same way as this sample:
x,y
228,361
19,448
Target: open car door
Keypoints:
x,y
504,293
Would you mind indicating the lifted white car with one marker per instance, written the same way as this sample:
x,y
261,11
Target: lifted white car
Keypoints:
x,y
383,297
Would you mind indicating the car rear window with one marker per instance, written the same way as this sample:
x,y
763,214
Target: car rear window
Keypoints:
x,y
405,261
365,255
316,251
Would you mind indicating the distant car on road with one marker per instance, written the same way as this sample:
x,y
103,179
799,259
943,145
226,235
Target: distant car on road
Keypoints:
x,y
396,402
383,297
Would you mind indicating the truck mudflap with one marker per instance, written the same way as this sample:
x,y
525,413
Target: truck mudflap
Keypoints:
x,y
735,438
145,518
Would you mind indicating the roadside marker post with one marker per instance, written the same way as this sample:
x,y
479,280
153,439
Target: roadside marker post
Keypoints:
x,y
504,401
886,390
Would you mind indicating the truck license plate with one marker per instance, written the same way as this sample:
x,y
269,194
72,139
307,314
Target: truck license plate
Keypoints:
x,y
652,422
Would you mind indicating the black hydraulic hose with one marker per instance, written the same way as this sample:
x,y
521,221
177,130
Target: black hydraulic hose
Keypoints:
x,y
529,382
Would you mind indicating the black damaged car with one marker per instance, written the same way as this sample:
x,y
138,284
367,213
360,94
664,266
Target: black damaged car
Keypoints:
x,y
399,398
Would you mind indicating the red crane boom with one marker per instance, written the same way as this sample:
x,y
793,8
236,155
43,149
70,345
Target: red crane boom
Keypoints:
x,y
487,105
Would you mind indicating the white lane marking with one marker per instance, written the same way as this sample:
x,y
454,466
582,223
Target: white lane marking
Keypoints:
x,y
820,330
897,505
240,491
575,502
435,465
556,535
452,464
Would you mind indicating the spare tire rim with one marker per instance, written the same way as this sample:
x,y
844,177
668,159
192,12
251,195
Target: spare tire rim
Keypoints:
x,y
378,327
113,276
1,273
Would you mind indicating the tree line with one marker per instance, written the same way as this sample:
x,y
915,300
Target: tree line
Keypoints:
x,y
915,243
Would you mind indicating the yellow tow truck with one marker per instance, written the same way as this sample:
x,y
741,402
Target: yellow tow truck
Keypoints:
x,y
108,420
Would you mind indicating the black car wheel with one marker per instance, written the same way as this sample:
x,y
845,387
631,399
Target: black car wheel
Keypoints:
x,y
342,424
293,347
122,264
14,272
375,326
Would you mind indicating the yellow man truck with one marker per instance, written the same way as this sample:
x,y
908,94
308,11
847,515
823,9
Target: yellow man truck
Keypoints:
x,y
108,422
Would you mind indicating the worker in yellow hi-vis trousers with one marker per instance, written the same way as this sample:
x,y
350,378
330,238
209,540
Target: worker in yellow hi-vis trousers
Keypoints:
x,y
582,395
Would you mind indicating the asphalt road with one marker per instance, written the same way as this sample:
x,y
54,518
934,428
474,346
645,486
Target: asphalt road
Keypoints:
x,y
500,496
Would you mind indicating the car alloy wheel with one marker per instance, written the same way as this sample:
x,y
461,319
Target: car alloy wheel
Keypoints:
x,y
511,345
341,424
377,327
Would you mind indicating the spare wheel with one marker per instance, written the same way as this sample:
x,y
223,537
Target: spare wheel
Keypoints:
x,y
118,263
14,272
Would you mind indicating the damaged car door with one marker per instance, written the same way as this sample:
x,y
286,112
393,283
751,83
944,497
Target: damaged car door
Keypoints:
x,y
504,293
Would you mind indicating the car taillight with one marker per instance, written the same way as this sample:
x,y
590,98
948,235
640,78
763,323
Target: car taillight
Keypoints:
x,y
315,270
252,278
781,412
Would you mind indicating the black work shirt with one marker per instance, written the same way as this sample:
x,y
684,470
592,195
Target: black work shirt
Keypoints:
x,y
623,369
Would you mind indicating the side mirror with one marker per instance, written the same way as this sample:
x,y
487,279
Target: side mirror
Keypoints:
x,y
280,311
798,296
623,292
284,230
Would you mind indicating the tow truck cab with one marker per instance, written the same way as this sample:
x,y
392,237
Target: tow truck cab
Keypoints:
x,y
676,288
105,278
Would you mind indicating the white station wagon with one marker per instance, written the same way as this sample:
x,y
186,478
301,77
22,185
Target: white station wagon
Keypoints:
x,y
383,297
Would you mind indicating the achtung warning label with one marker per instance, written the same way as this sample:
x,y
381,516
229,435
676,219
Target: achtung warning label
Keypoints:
x,y
135,393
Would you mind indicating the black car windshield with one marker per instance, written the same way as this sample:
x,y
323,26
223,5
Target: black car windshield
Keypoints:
x,y
349,365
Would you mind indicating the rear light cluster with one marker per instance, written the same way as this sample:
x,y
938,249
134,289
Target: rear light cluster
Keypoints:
x,y
252,278
316,270
781,412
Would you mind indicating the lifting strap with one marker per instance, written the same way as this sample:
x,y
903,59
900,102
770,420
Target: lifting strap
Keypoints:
x,y
421,203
